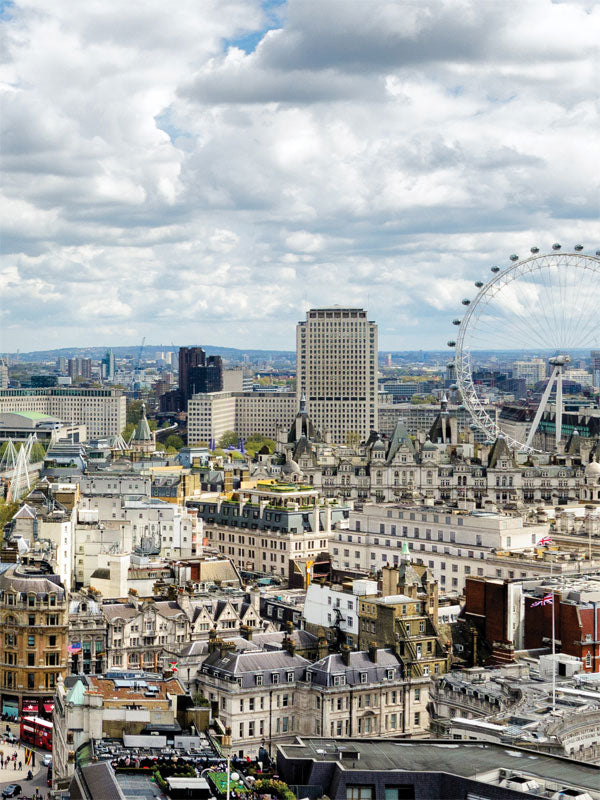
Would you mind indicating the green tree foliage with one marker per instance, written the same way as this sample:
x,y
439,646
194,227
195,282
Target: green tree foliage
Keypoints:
x,y
38,452
228,439
256,442
134,411
174,441
7,512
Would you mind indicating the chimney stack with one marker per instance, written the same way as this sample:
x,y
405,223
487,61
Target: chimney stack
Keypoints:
x,y
246,632
346,654
373,652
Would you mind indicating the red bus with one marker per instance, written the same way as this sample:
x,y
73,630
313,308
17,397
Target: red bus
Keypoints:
x,y
37,731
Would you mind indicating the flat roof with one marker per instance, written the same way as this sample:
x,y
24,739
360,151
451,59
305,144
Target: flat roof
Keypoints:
x,y
467,759
34,415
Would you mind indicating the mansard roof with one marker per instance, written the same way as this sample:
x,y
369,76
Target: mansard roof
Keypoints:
x,y
400,438
499,450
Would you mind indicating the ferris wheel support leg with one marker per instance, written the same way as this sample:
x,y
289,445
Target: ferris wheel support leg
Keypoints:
x,y
541,407
559,405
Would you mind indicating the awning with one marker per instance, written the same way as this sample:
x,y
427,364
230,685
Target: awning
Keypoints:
x,y
30,708
48,708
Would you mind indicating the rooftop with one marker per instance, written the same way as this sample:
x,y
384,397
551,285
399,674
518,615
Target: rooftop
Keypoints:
x,y
467,759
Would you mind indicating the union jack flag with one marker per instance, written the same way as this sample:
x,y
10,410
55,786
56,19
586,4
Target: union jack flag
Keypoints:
x,y
545,601
545,540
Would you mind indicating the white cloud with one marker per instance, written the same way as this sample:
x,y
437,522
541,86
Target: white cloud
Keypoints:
x,y
161,181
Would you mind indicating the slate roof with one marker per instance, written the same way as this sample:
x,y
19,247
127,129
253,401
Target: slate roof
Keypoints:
x,y
119,610
98,781
142,432
499,450
325,670
400,438
18,580
244,667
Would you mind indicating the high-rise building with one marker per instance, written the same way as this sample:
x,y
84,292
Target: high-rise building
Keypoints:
x,y
3,375
595,356
533,371
108,366
197,373
80,367
336,363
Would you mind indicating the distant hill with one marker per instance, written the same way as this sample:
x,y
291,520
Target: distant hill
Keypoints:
x,y
236,355
131,351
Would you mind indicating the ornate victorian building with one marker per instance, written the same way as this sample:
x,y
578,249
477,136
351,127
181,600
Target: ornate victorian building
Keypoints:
x,y
437,467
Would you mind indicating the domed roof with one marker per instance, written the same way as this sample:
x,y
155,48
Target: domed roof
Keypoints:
x,y
593,470
291,467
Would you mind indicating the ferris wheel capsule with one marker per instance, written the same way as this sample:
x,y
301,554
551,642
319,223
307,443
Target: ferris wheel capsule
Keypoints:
x,y
556,246
534,250
466,302
521,312
479,284
451,343
456,322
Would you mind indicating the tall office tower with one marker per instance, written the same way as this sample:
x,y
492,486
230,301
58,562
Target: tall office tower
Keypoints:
x,y
108,366
336,364
3,375
595,355
197,373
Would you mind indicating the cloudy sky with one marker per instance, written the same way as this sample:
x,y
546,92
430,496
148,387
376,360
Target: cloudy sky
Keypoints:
x,y
204,171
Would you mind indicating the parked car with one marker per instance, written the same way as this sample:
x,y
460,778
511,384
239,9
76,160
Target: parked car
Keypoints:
x,y
47,760
10,738
12,790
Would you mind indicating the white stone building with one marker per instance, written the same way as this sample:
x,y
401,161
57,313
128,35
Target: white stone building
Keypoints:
x,y
102,411
336,368
453,545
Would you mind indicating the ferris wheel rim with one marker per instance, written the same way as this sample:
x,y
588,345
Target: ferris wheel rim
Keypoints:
x,y
462,359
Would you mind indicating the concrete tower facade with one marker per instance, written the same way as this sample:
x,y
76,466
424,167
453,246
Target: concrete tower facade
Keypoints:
x,y
336,358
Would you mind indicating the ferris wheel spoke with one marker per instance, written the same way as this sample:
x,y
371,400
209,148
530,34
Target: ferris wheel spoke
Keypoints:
x,y
548,303
588,311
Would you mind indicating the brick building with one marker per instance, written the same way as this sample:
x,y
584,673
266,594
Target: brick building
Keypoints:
x,y
503,614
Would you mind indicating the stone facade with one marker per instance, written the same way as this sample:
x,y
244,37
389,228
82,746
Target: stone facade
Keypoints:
x,y
34,623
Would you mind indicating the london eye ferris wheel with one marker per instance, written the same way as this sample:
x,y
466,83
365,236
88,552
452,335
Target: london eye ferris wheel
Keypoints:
x,y
545,304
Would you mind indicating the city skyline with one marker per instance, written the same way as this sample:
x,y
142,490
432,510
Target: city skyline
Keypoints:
x,y
215,173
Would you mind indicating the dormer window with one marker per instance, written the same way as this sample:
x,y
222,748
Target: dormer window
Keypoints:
x,y
364,677
274,677
258,680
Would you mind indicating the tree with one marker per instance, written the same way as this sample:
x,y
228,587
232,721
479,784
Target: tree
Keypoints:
x,y
38,452
7,512
128,430
174,441
228,439
257,441
134,411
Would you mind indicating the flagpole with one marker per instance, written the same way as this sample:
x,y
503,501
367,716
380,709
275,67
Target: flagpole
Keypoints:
x,y
553,659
